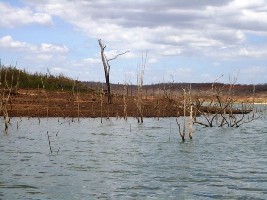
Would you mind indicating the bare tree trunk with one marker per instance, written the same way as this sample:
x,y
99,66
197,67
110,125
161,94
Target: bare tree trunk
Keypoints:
x,y
125,94
183,133
140,80
5,96
191,115
101,105
106,69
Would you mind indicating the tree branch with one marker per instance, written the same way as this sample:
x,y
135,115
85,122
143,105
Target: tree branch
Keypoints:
x,y
118,56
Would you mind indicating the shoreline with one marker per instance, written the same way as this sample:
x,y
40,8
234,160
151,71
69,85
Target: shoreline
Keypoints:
x,y
42,103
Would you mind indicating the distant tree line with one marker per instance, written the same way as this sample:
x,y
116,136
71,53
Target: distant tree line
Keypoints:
x,y
176,87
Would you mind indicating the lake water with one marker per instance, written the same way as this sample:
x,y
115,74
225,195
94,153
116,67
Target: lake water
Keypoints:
x,y
126,160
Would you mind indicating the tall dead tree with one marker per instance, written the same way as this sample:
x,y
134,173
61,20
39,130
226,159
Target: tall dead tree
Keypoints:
x,y
106,66
140,80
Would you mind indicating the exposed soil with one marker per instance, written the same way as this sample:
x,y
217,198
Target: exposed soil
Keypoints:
x,y
42,103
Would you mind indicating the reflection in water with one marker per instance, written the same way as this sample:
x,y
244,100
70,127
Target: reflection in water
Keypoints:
x,y
125,160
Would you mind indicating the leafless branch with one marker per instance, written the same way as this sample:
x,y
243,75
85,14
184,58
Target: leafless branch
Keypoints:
x,y
215,81
118,56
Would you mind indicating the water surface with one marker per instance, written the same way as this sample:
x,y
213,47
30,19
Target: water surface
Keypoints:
x,y
126,160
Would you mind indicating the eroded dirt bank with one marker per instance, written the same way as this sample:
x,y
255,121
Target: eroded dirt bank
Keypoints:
x,y
42,103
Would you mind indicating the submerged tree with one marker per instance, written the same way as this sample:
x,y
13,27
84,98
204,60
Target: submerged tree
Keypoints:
x,y
8,87
140,80
219,107
106,66
187,107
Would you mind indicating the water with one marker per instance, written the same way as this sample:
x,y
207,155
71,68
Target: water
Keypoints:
x,y
125,160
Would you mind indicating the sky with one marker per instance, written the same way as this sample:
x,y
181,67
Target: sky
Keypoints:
x,y
192,41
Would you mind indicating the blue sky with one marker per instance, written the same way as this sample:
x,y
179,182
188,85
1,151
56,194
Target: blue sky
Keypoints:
x,y
185,41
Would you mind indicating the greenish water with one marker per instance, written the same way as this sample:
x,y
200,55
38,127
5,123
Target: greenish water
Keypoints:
x,y
126,160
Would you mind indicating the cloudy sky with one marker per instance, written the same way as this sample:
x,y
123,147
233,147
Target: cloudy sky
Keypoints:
x,y
185,40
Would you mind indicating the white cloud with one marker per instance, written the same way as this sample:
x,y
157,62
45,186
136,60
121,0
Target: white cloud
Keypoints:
x,y
9,43
152,60
240,36
53,48
112,54
254,70
44,54
243,52
247,4
164,28
43,57
91,60
171,51
12,17
247,52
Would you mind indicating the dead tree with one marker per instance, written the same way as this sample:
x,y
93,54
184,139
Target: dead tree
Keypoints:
x,y
187,107
125,96
140,80
106,66
221,108
5,95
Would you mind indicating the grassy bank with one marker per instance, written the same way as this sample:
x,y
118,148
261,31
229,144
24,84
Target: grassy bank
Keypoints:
x,y
12,77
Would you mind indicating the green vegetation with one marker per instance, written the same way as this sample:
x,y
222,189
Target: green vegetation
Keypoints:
x,y
21,79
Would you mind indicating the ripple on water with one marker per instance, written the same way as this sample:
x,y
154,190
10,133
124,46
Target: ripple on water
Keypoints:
x,y
124,160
